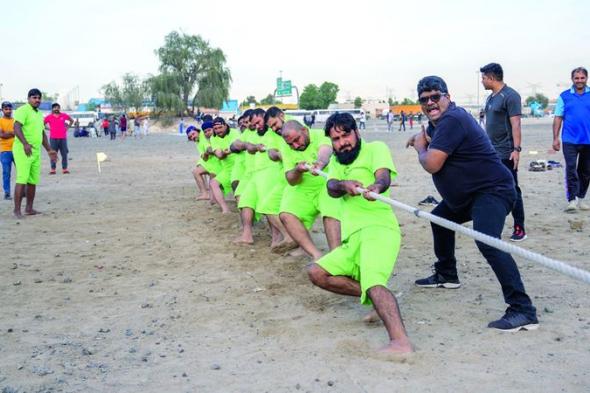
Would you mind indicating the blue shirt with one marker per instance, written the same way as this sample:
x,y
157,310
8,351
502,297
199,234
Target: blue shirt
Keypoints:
x,y
472,166
574,108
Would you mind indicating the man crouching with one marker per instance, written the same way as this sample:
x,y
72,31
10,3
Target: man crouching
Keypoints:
x,y
371,237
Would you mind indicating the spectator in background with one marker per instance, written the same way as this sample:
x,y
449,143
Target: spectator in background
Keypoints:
x,y
123,125
402,123
390,118
411,120
136,127
482,115
6,140
573,113
58,134
113,128
363,121
145,125
105,126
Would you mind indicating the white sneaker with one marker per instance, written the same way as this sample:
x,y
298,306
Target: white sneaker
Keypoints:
x,y
572,206
583,205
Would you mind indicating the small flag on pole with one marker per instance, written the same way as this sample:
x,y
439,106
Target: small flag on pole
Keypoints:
x,y
100,157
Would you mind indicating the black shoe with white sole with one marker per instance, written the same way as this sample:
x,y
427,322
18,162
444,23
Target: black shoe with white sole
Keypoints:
x,y
437,280
514,322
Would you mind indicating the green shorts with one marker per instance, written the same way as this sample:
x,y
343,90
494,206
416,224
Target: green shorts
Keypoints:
x,y
367,256
223,177
270,203
211,166
307,205
238,169
28,168
243,183
255,189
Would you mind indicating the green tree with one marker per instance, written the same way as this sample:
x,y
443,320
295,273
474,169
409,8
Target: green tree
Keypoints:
x,y
91,107
391,102
270,100
130,94
249,100
358,102
540,98
328,92
164,90
194,63
310,98
408,101
49,97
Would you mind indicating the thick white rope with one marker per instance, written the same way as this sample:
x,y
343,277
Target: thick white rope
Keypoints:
x,y
551,263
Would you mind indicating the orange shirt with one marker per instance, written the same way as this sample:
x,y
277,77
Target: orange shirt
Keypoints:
x,y
6,125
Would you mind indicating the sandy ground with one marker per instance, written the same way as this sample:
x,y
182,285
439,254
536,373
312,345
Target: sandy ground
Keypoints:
x,y
127,284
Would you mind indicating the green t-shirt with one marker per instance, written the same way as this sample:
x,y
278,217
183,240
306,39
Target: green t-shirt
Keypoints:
x,y
224,143
270,140
291,157
357,212
32,125
249,136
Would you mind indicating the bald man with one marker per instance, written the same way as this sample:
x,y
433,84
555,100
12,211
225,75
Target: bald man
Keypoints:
x,y
306,197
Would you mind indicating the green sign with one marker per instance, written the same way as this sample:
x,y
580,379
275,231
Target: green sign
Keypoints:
x,y
284,88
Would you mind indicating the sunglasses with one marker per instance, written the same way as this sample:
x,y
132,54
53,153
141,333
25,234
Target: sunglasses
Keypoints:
x,y
435,98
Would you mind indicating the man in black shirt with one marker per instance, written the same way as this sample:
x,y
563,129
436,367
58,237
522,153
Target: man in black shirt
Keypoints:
x,y
475,186
503,111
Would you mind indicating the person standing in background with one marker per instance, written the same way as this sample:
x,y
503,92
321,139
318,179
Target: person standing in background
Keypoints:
x,y
6,140
58,135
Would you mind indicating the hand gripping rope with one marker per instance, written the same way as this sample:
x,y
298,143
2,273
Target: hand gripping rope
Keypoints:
x,y
554,264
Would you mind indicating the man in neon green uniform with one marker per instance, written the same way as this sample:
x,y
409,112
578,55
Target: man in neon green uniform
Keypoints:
x,y
371,237
239,168
265,175
220,144
29,131
207,163
306,197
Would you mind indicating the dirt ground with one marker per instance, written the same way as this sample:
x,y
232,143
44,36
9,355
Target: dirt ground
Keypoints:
x,y
127,284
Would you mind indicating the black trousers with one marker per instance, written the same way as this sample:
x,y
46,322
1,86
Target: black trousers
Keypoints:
x,y
577,169
60,145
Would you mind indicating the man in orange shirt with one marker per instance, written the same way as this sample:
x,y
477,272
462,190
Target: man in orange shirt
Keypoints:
x,y
6,139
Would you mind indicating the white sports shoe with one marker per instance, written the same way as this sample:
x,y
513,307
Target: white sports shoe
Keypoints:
x,y
572,206
582,205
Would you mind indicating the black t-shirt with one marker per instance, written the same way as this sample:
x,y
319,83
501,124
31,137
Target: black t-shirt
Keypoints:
x,y
472,167
499,109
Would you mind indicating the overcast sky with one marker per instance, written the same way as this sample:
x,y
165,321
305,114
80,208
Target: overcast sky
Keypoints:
x,y
369,48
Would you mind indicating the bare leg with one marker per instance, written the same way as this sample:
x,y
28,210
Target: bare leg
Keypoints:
x,y
298,232
332,229
275,234
388,310
247,216
19,191
338,284
217,194
286,243
30,191
198,173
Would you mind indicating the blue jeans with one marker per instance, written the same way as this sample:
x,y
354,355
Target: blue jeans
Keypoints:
x,y
577,169
488,213
7,161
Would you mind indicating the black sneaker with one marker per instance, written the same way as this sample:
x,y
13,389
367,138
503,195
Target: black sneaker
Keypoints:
x,y
519,234
437,280
513,322
428,201
7,197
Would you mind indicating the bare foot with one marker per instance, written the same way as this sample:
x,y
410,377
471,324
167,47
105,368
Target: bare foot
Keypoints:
x,y
243,240
397,347
18,215
284,246
226,211
203,197
32,212
372,317
298,252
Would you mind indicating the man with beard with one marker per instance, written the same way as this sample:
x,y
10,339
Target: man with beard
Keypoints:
x,y
371,237
58,135
306,196
238,173
29,131
207,161
475,186
264,176
220,184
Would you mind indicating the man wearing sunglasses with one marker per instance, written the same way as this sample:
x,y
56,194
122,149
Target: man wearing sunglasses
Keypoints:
x,y
475,186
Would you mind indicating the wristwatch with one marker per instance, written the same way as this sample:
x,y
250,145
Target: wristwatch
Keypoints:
x,y
517,148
